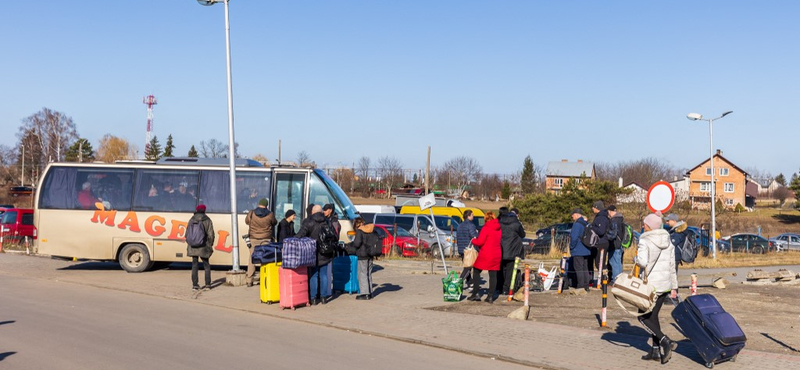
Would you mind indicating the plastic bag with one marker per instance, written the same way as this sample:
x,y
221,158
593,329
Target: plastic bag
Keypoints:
x,y
452,286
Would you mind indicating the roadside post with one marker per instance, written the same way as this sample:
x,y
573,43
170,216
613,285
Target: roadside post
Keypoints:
x,y
513,279
563,272
427,202
603,311
694,284
527,283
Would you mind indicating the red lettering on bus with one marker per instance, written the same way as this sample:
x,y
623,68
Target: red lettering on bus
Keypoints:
x,y
131,221
103,216
152,229
222,237
178,230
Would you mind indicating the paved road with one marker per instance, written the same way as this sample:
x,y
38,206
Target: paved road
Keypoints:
x,y
46,324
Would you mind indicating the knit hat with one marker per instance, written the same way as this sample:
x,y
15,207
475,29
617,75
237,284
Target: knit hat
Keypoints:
x,y
653,221
200,208
599,205
263,202
327,207
290,213
671,217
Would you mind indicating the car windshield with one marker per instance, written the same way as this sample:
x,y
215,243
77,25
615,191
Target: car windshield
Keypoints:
x,y
400,231
445,223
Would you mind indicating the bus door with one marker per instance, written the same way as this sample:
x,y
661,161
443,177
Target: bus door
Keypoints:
x,y
290,190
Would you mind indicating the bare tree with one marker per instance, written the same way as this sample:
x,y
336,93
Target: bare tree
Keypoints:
x,y
303,159
53,131
462,171
8,168
260,158
390,171
781,193
363,174
644,171
212,149
345,177
113,148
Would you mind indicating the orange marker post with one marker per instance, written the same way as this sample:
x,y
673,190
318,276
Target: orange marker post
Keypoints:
x,y
694,284
563,272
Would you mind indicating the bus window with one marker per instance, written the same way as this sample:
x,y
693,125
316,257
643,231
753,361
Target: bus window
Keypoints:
x,y
251,187
215,190
82,188
289,190
165,190
324,190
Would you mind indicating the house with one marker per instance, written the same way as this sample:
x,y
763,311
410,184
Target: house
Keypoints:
x,y
730,181
558,173
681,187
637,195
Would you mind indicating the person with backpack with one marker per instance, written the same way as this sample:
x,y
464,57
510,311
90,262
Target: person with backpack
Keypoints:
x,y
488,259
261,222
600,226
615,250
579,252
286,226
678,234
366,245
464,234
511,243
200,239
319,283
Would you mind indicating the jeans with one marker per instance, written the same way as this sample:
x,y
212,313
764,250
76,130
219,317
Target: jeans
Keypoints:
x,y
365,276
324,273
206,267
615,262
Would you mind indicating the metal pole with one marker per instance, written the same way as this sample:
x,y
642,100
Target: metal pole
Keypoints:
x,y
713,191
231,147
428,172
22,179
439,242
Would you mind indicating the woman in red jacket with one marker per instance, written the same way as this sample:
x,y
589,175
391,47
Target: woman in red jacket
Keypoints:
x,y
488,257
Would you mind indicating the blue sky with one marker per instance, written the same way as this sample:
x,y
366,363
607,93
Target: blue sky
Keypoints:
x,y
495,80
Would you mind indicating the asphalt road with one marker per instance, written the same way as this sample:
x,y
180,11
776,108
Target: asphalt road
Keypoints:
x,y
46,324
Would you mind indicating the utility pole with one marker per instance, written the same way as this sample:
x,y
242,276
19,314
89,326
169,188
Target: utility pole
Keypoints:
x,y
80,151
279,152
428,171
22,179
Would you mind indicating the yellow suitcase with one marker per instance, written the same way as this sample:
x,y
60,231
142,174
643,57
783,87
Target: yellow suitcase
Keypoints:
x,y
269,283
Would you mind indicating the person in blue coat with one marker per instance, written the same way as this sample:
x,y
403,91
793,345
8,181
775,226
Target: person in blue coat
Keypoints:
x,y
579,251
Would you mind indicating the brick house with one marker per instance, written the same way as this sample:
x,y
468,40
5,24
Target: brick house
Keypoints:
x,y
558,173
730,181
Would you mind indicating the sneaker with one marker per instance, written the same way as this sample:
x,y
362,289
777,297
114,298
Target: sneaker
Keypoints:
x,y
474,298
196,287
249,284
325,300
206,288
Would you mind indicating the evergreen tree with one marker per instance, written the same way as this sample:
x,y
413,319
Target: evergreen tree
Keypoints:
x,y
153,152
780,179
415,180
795,186
81,151
506,192
169,148
528,178
192,152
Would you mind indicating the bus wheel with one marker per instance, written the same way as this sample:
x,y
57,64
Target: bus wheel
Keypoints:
x,y
134,258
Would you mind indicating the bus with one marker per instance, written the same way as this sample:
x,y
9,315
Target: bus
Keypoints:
x,y
136,212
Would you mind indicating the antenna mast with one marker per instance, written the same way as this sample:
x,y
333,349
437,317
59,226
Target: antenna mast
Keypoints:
x,y
150,101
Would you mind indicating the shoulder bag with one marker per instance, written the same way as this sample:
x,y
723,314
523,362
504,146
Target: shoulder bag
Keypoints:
x,y
635,291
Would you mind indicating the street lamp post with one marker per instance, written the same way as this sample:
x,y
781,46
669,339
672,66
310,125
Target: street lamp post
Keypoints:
x,y
699,117
231,142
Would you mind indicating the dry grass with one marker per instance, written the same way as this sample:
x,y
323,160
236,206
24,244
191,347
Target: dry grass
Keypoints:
x,y
735,260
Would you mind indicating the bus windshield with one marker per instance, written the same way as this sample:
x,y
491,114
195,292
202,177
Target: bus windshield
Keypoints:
x,y
342,204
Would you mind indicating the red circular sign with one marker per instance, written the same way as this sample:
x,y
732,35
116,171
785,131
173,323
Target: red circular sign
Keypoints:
x,y
660,197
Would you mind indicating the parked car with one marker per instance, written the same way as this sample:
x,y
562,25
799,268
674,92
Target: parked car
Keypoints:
x,y
16,191
423,227
16,224
786,242
567,226
541,245
405,241
748,243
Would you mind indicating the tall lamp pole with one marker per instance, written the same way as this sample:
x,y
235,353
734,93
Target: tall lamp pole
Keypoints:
x,y
231,142
699,117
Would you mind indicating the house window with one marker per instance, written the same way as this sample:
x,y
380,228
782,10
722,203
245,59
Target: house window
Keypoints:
x,y
728,202
729,187
705,186
724,171
708,171
559,182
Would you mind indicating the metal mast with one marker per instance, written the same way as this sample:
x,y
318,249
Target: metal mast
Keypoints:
x,y
150,101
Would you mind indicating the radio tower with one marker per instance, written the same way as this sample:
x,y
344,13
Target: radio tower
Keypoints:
x,y
150,101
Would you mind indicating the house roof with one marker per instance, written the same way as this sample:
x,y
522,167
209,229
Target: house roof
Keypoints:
x,y
720,157
751,190
570,169
634,183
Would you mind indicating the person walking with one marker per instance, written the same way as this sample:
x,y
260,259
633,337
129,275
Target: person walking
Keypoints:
x,y
511,244
261,222
319,285
600,225
204,251
464,234
489,257
615,251
365,237
286,226
677,235
579,252
656,256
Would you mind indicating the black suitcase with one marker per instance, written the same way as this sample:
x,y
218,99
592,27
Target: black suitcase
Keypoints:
x,y
713,331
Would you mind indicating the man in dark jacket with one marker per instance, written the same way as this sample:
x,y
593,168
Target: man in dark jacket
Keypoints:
x,y
365,238
579,252
319,282
203,252
600,226
286,226
464,235
261,222
615,250
677,235
510,243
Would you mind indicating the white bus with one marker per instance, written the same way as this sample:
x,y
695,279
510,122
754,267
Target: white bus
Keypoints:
x,y
136,212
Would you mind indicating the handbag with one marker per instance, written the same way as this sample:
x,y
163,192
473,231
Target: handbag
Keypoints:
x,y
470,255
635,291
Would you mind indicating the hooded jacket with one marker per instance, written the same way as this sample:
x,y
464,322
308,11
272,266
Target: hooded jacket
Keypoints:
x,y
261,222
285,230
576,247
656,255
677,235
466,231
600,226
511,241
365,237
208,249
310,227
617,223
489,241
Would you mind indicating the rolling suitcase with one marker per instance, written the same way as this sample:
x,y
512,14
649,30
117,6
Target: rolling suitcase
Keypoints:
x,y
270,283
293,287
713,331
345,274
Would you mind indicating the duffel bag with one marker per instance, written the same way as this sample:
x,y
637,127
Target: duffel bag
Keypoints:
x,y
299,252
267,253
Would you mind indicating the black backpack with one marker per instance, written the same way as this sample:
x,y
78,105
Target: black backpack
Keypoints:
x,y
196,234
589,237
328,241
688,250
613,231
375,250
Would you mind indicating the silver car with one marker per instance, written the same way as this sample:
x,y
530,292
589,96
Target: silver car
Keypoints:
x,y
787,242
422,227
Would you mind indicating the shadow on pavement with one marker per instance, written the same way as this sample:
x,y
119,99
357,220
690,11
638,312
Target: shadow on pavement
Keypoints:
x,y
5,354
93,265
385,288
7,322
626,335
784,345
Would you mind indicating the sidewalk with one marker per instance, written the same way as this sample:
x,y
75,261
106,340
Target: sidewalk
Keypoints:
x,y
398,312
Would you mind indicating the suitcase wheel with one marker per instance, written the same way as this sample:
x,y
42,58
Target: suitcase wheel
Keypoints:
x,y
269,302
733,359
710,365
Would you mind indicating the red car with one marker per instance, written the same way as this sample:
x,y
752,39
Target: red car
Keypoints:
x,y
405,241
17,223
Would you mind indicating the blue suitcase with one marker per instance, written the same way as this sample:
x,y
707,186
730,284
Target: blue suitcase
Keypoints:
x,y
713,331
345,274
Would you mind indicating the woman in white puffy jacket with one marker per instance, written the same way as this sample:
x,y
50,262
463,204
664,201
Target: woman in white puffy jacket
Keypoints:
x,y
656,257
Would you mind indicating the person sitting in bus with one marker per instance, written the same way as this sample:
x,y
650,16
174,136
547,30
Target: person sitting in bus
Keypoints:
x,y
86,198
183,200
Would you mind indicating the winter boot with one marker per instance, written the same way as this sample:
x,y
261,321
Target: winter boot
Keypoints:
x,y
654,354
667,346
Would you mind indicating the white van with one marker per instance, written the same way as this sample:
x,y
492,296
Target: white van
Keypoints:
x,y
368,211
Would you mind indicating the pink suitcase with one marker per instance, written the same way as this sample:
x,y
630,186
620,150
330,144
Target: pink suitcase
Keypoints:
x,y
294,287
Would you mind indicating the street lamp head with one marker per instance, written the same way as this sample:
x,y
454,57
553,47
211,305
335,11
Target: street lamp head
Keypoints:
x,y
207,2
695,116
726,113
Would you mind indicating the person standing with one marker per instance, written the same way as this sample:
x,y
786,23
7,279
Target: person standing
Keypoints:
x,y
464,234
286,226
677,235
364,239
261,222
615,251
511,244
317,285
578,251
656,256
600,226
205,250
488,258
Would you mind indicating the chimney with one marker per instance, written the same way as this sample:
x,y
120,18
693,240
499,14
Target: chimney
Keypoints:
x,y
675,178
620,182
719,152
564,160
580,161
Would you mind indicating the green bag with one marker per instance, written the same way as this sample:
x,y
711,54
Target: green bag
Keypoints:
x,y
452,286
